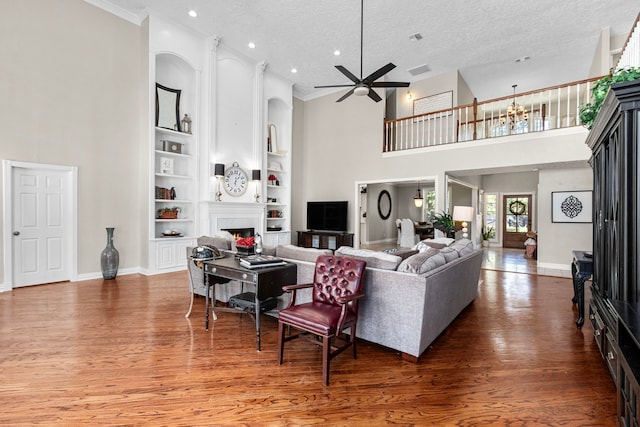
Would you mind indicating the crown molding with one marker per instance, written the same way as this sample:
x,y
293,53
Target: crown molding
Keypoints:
x,y
118,11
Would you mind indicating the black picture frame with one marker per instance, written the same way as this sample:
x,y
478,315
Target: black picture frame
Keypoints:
x,y
572,206
383,198
164,105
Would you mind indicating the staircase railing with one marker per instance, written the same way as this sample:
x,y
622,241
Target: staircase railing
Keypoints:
x,y
540,110
630,54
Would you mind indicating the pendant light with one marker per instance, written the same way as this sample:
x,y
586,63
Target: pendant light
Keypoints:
x,y
418,199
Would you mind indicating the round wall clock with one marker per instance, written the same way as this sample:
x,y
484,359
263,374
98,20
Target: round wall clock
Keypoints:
x,y
235,180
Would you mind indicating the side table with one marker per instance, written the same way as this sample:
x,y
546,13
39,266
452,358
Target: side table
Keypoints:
x,y
581,271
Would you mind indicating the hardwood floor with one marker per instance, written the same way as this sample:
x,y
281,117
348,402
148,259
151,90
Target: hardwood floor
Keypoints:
x,y
122,353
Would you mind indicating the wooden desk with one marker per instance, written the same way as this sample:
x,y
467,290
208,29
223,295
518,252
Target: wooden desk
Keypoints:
x,y
581,271
267,280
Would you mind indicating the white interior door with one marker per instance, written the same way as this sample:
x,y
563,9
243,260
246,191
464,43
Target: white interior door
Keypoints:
x,y
41,224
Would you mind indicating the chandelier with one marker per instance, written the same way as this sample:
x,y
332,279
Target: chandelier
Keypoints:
x,y
515,112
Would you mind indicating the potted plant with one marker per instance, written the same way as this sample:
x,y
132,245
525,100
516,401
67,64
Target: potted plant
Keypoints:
x,y
589,111
487,234
444,222
168,213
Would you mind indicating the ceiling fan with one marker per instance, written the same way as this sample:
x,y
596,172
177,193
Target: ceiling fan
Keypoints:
x,y
362,87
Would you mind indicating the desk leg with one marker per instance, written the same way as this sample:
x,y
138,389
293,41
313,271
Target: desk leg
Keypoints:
x,y
206,301
259,344
190,291
580,279
574,273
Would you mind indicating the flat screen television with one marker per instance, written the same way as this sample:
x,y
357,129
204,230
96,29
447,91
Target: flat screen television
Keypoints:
x,y
327,216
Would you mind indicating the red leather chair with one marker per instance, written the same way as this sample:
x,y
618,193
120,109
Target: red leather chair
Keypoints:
x,y
336,290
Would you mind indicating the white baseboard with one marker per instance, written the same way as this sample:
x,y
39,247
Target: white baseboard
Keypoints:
x,y
552,269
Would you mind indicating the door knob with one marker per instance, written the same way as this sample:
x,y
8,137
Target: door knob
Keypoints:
x,y
16,233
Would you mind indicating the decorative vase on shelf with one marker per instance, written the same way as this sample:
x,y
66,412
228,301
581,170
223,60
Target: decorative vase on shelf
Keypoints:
x,y
110,258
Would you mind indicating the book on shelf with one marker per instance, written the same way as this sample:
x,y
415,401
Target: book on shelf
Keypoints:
x,y
257,261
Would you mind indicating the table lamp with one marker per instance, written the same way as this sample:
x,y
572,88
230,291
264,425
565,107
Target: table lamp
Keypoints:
x,y
464,214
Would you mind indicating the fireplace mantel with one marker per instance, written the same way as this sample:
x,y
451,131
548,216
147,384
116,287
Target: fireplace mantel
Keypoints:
x,y
220,215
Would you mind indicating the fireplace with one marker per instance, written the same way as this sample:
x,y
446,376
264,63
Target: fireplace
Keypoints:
x,y
239,219
239,233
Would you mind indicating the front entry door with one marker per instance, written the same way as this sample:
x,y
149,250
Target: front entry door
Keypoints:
x,y
517,220
41,225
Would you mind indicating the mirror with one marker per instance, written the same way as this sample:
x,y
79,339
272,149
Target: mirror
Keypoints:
x,y
384,204
167,108
273,139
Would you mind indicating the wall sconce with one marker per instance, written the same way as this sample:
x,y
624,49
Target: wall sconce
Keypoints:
x,y
418,200
464,214
218,172
255,176
409,96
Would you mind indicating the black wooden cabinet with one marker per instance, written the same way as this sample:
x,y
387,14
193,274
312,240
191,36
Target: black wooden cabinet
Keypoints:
x,y
615,140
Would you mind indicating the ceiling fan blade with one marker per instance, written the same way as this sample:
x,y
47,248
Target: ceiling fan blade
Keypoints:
x,y
390,84
373,95
318,87
348,73
346,95
379,73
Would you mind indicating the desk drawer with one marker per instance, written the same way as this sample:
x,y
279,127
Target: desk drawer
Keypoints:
x,y
229,273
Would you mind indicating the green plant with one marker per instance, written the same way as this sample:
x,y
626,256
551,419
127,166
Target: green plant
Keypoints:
x,y
589,111
444,222
489,233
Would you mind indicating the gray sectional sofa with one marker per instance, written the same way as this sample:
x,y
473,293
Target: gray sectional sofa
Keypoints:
x,y
410,298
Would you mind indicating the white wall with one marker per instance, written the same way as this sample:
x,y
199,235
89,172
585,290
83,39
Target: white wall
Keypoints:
x,y
557,240
379,229
70,85
427,87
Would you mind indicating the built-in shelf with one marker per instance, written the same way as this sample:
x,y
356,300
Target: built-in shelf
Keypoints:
x,y
174,168
278,163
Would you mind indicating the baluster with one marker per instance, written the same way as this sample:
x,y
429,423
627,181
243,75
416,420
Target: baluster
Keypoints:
x,y
568,106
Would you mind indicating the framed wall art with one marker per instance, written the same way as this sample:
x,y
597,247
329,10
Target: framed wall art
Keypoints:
x,y
429,104
571,206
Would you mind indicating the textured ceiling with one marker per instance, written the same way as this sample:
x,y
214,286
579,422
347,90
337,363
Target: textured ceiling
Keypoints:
x,y
481,39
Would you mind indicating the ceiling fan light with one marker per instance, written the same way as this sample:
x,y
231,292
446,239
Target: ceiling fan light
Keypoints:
x,y
361,91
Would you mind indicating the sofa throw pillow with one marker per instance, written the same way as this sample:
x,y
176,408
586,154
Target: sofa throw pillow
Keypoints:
x,y
449,254
442,240
463,246
405,253
422,262
374,259
299,253
423,245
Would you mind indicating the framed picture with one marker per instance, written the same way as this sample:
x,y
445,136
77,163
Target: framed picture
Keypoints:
x,y
571,206
429,104
166,165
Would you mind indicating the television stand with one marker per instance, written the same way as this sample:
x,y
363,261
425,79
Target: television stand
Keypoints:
x,y
324,239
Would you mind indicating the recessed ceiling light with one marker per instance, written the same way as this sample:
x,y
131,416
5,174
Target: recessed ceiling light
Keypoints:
x,y
524,58
252,45
336,52
294,70
193,14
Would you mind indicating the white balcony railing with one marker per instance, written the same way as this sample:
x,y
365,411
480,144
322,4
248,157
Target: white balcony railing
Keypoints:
x,y
630,55
536,111
540,110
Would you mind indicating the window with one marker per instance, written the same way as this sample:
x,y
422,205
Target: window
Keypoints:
x,y
491,213
517,214
429,204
